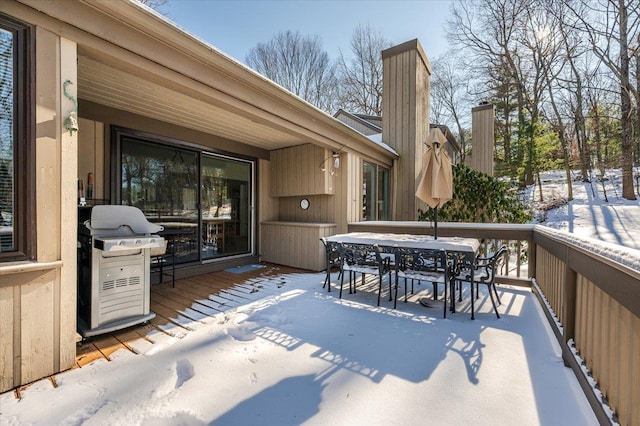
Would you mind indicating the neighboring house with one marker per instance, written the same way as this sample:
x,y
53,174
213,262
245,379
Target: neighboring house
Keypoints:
x,y
195,139
368,125
371,126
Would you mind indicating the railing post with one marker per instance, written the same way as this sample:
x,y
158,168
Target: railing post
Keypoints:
x,y
532,256
569,308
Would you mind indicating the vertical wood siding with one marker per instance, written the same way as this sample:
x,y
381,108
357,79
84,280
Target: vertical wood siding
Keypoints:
x,y
91,157
296,245
607,336
550,272
405,108
482,136
597,305
38,300
296,171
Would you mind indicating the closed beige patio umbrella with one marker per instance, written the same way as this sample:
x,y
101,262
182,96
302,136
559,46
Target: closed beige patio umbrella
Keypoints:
x,y
435,186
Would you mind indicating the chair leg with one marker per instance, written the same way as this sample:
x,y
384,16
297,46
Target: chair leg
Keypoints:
x,y
390,298
495,290
435,291
405,288
493,302
342,283
452,288
395,298
327,280
379,287
445,299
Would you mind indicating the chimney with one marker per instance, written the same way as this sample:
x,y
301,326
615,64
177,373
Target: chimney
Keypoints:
x,y
482,138
405,120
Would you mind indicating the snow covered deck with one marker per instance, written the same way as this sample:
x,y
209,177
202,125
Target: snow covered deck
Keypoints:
x,y
284,351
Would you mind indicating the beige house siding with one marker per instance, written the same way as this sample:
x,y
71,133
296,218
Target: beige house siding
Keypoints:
x,y
297,171
406,73
38,321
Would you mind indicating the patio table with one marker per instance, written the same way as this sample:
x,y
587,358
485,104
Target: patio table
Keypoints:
x,y
465,248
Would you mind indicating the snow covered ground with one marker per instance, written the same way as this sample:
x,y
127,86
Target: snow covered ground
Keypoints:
x,y
597,211
299,355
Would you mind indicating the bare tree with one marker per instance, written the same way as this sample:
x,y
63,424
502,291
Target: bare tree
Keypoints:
x,y
299,64
491,32
361,73
554,68
450,97
609,26
154,4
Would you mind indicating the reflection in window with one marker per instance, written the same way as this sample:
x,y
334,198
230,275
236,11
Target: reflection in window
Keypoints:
x,y
225,206
375,192
368,191
7,207
383,193
17,147
163,182
202,200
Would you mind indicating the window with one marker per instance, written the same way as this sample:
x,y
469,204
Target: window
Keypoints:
x,y
17,193
375,192
203,200
162,181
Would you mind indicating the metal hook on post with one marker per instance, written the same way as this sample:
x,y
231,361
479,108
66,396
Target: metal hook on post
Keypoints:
x,y
71,122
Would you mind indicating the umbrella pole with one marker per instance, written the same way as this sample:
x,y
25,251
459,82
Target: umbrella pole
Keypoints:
x,y
435,223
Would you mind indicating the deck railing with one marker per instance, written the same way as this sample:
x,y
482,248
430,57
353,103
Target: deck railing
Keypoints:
x,y
590,293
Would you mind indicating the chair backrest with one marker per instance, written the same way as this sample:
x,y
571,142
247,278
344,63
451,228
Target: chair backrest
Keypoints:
x,y
331,251
359,254
418,259
492,264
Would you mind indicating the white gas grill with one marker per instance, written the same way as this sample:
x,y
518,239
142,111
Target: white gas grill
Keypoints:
x,y
113,269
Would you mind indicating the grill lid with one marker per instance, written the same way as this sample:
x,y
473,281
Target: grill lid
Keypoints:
x,y
120,220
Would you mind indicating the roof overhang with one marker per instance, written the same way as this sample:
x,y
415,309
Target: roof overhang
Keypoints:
x,y
133,59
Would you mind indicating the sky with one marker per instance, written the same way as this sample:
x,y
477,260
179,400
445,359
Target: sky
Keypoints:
x,y
234,27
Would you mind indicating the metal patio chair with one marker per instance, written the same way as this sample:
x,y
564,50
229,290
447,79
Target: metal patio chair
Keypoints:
x,y
484,272
333,260
422,265
364,259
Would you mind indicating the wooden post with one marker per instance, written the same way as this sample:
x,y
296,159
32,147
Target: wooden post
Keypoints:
x,y
568,310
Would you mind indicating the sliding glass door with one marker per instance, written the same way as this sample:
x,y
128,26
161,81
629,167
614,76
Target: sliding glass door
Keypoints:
x,y
203,200
226,206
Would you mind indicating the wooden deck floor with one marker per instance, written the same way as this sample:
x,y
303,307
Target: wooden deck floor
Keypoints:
x,y
177,309
192,299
